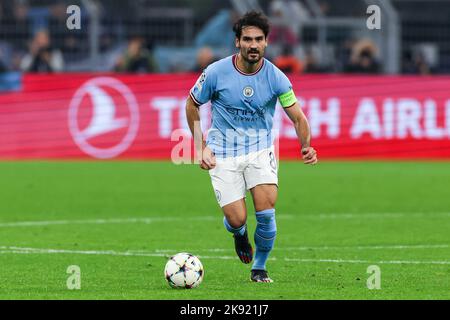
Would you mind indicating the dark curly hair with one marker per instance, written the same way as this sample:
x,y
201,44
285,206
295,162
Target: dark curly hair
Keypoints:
x,y
252,19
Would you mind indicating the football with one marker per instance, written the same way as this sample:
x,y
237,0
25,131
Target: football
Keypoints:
x,y
184,270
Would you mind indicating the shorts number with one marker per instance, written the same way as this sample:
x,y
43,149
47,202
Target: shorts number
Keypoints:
x,y
273,161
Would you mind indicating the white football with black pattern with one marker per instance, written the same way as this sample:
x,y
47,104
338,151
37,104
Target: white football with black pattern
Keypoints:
x,y
184,270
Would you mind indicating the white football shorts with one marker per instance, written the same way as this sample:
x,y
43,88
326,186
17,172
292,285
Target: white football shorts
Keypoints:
x,y
233,176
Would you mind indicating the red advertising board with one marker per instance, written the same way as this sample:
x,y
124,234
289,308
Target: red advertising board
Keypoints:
x,y
91,116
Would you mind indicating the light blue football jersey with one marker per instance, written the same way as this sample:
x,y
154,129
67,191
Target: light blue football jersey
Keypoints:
x,y
243,105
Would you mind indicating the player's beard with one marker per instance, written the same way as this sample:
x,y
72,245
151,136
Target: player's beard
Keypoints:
x,y
250,60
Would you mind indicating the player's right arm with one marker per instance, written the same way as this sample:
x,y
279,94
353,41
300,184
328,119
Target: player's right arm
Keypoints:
x,y
205,157
201,93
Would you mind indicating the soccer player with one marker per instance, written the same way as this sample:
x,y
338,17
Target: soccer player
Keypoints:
x,y
239,152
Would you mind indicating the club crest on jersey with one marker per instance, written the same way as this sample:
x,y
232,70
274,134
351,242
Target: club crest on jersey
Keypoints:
x,y
248,92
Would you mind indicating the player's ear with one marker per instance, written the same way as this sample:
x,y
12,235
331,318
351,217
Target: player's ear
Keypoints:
x,y
236,42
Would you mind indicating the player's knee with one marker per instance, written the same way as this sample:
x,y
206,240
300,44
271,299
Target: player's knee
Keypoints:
x,y
233,224
266,203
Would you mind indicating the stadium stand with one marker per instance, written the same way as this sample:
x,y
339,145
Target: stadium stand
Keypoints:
x,y
321,34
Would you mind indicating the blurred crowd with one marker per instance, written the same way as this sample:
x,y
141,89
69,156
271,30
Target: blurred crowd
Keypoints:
x,y
45,43
39,40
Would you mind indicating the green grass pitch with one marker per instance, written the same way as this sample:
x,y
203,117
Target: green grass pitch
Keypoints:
x,y
119,221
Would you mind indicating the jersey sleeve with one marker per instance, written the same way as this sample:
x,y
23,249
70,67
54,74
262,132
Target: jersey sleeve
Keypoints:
x,y
285,91
203,89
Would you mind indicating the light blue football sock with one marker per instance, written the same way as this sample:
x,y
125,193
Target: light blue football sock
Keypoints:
x,y
240,230
266,231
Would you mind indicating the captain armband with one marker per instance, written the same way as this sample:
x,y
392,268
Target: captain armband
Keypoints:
x,y
288,99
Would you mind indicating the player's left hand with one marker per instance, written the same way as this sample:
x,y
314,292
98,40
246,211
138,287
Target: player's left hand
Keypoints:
x,y
208,160
309,155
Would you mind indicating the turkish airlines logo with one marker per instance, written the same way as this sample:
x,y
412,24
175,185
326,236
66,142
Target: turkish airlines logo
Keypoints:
x,y
104,118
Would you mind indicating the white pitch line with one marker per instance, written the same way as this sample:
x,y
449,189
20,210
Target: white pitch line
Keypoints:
x,y
104,221
374,215
305,248
366,261
87,252
378,247
144,220
20,250
149,220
